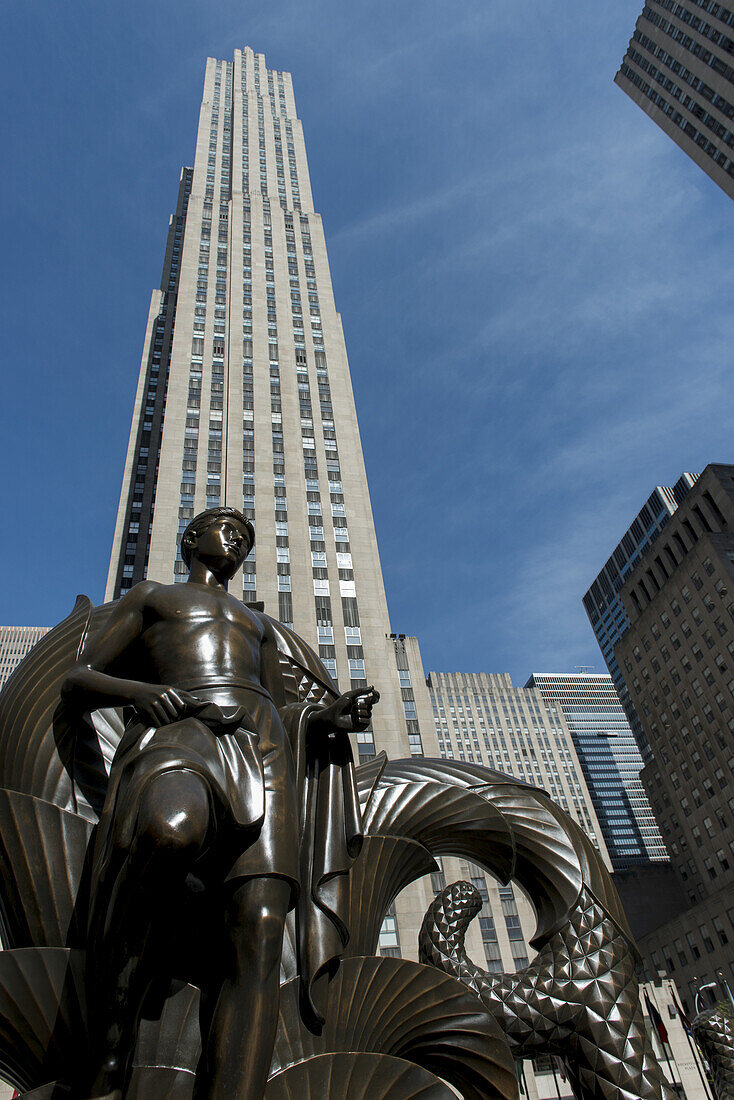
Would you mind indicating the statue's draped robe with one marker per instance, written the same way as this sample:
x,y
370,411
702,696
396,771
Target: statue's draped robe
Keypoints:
x,y
225,755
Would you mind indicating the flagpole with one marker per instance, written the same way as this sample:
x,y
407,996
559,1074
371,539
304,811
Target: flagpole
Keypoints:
x,y
724,982
555,1079
673,1072
662,1033
694,1050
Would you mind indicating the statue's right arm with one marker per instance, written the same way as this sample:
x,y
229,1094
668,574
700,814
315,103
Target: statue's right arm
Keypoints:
x,y
90,685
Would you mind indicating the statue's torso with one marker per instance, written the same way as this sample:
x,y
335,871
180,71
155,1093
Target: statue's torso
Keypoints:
x,y
193,635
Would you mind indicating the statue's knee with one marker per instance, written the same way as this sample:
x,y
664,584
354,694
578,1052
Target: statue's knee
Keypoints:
x,y
171,823
163,836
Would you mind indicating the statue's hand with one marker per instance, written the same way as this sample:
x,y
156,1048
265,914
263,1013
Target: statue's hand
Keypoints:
x,y
352,711
159,705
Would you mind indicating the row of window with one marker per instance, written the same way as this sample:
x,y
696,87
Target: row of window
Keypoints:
x,y
706,91
700,139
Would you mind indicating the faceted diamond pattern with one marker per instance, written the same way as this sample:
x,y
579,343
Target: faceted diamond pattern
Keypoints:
x,y
579,999
714,1032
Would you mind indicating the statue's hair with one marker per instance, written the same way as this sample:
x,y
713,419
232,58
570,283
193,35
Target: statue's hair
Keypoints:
x,y
200,523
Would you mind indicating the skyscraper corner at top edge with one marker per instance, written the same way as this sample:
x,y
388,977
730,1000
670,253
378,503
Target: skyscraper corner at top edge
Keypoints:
x,y
678,69
244,395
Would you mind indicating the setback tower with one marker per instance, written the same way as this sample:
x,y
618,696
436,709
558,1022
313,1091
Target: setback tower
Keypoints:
x,y
245,398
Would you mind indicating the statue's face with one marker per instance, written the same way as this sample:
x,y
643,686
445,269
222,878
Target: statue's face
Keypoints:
x,y
222,547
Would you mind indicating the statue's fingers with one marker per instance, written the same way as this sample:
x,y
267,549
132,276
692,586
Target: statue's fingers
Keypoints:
x,y
180,699
187,698
159,713
162,711
169,704
349,696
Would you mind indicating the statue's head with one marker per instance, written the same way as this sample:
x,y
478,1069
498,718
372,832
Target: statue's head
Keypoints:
x,y
221,538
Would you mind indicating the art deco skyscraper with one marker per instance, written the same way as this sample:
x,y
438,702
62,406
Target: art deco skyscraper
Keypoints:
x,y
244,396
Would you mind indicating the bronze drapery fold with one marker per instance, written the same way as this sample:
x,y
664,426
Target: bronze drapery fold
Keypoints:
x,y
330,839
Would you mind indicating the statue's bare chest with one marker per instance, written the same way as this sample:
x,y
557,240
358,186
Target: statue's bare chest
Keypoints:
x,y
192,608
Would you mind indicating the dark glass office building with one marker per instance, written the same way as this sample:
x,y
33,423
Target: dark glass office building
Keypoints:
x,y
602,602
610,761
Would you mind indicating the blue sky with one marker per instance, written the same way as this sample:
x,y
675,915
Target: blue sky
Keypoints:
x,y
538,279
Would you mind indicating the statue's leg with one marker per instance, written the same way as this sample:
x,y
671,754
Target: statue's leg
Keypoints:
x,y
242,1006
130,910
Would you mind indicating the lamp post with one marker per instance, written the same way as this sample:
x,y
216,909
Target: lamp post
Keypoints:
x,y
723,982
699,1005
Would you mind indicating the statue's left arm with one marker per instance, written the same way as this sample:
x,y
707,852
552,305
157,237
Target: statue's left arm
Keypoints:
x,y
350,712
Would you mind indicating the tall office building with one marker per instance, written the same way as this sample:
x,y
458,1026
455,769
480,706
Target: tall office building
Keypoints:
x,y
482,717
15,643
610,761
602,602
677,657
679,67
244,395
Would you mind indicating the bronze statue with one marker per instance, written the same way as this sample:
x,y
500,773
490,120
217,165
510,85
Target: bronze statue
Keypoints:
x,y
193,877
203,791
